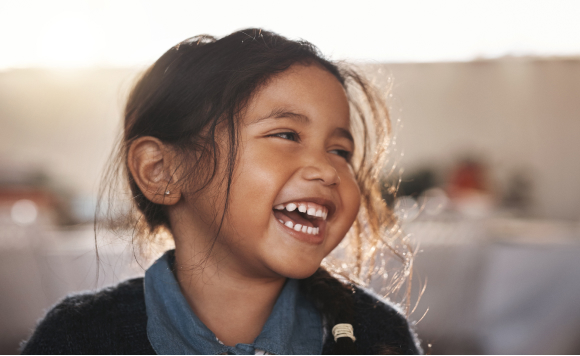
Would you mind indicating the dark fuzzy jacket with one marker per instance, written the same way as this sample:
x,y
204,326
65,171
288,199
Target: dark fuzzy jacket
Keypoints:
x,y
114,321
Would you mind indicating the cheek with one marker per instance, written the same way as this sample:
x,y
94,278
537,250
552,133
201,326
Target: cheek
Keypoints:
x,y
351,198
256,183
350,204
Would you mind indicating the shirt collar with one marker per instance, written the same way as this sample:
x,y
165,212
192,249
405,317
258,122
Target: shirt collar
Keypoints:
x,y
293,327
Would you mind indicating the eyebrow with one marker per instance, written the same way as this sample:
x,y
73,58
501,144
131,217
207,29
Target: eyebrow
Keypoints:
x,y
282,113
340,132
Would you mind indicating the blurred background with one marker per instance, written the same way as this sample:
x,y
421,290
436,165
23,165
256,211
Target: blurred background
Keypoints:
x,y
485,102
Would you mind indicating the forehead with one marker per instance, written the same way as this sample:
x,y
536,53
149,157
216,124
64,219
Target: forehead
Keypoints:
x,y
309,90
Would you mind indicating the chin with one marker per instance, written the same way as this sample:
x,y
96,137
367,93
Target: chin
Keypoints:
x,y
298,270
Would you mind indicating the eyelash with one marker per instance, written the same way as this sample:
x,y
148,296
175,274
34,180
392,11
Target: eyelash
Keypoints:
x,y
296,137
343,153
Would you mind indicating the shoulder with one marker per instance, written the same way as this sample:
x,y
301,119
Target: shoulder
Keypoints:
x,y
381,326
112,320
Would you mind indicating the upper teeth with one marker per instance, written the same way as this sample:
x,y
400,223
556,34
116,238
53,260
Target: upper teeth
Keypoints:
x,y
309,208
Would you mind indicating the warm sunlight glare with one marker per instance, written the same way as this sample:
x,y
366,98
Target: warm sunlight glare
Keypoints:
x,y
68,41
65,33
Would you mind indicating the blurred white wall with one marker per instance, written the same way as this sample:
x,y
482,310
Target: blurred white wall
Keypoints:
x,y
61,121
516,114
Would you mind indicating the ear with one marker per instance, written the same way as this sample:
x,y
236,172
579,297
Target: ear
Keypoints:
x,y
151,164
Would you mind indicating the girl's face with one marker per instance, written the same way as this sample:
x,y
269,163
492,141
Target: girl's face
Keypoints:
x,y
294,195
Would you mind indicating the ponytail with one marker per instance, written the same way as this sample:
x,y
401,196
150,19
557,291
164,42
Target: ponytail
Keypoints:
x,y
335,301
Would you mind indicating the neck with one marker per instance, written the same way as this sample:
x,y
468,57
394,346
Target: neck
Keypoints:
x,y
233,306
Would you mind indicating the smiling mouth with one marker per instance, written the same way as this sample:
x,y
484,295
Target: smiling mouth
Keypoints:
x,y
305,217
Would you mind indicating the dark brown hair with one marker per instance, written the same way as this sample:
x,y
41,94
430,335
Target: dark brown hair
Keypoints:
x,y
203,83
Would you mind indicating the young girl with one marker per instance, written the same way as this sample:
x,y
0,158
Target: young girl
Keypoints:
x,y
258,156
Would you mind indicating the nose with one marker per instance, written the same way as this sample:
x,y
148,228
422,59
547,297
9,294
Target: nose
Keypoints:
x,y
321,170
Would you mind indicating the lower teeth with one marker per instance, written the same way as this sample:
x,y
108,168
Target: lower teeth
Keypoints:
x,y
298,227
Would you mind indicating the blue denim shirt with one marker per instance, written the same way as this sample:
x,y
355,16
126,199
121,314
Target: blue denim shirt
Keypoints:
x,y
294,327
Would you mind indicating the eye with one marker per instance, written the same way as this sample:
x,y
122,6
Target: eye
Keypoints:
x,y
292,136
342,153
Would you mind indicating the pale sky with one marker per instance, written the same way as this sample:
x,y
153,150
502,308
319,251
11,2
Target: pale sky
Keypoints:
x,y
77,33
